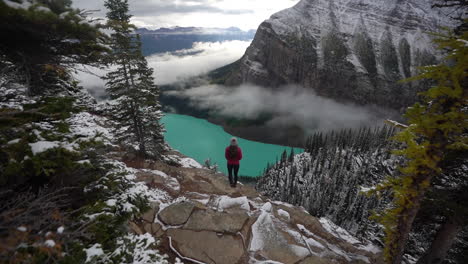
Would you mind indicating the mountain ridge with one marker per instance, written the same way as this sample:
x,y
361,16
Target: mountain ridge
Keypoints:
x,y
315,41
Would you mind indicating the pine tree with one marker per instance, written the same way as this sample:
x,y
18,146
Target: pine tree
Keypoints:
x,y
136,107
291,156
45,40
437,130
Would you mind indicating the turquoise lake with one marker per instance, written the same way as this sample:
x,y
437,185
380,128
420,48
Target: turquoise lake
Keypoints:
x,y
201,140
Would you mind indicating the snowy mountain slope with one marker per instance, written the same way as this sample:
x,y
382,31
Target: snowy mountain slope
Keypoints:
x,y
368,44
327,180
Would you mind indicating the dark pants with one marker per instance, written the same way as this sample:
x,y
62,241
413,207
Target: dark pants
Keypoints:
x,y
236,170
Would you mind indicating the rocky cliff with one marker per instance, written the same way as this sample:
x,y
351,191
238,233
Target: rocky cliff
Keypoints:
x,y
200,219
350,50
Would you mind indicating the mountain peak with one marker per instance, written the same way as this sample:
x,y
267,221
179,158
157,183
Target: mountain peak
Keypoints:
x,y
369,44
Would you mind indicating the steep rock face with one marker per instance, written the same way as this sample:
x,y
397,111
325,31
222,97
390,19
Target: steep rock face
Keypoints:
x,y
352,50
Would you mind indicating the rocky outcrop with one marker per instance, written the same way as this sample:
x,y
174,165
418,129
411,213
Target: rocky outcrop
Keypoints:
x,y
176,214
349,50
200,218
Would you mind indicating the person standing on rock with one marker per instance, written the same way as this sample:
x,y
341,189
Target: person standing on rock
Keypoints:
x,y
233,156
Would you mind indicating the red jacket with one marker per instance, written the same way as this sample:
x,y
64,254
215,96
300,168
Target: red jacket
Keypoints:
x,y
235,160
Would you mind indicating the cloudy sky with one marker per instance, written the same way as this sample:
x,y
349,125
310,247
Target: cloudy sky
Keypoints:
x,y
175,67
245,14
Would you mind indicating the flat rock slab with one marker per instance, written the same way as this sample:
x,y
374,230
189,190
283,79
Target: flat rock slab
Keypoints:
x,y
149,215
210,220
207,246
176,214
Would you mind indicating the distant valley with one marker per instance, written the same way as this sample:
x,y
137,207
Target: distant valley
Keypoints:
x,y
180,38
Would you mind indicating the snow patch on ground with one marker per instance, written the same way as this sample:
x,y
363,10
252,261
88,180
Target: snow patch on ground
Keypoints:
x,y
190,163
284,214
171,182
261,231
370,248
225,202
267,207
283,203
338,231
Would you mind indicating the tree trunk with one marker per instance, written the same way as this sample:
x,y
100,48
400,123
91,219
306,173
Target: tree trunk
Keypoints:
x,y
405,223
441,243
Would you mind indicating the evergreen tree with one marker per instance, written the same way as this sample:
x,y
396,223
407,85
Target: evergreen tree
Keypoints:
x,y
291,156
46,39
136,105
438,131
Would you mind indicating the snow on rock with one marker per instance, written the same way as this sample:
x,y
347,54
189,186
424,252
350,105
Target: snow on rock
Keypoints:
x,y
225,202
171,182
300,239
190,163
367,189
370,248
266,262
285,215
267,207
283,203
262,231
338,231
268,237
60,230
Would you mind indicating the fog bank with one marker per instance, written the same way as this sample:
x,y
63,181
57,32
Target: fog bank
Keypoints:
x,y
289,105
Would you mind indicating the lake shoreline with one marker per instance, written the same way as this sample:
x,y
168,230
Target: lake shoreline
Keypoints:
x,y
201,140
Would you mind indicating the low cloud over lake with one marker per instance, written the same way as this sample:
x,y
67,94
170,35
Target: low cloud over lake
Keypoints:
x,y
290,105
